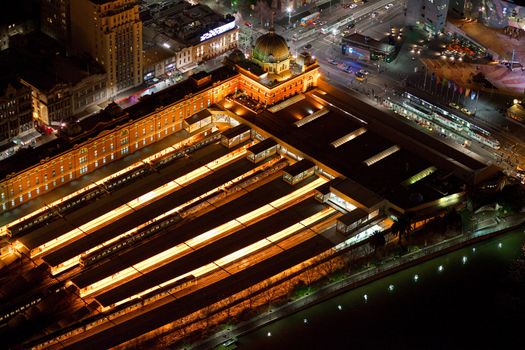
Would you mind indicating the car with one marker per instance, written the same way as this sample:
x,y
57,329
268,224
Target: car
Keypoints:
x,y
360,76
453,105
332,61
364,71
388,6
308,46
351,25
353,6
466,111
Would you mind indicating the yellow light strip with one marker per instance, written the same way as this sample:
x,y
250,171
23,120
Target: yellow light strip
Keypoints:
x,y
184,248
138,202
76,260
241,253
167,150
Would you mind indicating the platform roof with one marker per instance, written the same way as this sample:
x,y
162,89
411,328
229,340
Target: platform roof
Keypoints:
x,y
299,167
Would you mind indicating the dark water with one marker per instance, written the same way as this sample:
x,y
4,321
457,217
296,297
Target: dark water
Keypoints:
x,y
472,303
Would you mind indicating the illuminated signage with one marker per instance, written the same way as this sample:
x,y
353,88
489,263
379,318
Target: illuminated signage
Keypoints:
x,y
217,31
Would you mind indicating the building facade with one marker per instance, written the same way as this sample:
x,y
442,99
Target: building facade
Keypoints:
x,y
431,15
111,32
185,34
50,105
55,20
58,103
92,152
15,110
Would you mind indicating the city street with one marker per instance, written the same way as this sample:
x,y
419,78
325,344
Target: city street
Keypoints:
x,y
417,60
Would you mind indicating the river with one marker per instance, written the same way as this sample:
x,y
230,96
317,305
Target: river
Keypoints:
x,y
462,300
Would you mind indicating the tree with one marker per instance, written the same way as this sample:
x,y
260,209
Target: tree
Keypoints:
x,y
402,227
378,240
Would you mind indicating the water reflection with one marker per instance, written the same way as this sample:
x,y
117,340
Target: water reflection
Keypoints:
x,y
467,307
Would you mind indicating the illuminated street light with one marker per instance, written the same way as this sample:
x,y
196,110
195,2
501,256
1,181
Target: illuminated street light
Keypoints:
x,y
416,277
289,10
464,260
500,245
339,307
391,288
365,297
269,334
440,268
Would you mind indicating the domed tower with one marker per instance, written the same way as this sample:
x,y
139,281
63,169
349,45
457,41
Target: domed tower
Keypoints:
x,y
271,53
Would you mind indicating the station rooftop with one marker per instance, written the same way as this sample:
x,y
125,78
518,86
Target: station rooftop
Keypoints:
x,y
353,140
182,23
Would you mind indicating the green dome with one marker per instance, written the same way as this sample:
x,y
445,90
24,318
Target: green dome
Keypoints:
x,y
271,47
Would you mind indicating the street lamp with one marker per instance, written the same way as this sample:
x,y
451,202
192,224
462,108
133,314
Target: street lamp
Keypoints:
x,y
289,10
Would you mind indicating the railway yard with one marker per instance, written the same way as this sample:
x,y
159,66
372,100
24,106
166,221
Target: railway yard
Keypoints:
x,y
207,218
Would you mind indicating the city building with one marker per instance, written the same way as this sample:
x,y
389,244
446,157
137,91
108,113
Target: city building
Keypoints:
x,y
192,33
67,89
10,28
89,144
63,85
55,20
16,111
272,173
110,31
508,14
84,147
431,15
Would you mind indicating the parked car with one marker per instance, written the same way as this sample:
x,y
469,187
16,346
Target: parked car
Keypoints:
x,y
466,111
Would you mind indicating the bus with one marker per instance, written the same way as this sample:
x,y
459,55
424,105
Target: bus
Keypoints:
x,y
306,21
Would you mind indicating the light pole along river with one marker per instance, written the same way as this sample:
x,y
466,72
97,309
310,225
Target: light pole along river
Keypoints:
x,y
466,299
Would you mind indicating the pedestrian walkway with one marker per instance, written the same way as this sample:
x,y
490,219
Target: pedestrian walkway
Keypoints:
x,y
492,38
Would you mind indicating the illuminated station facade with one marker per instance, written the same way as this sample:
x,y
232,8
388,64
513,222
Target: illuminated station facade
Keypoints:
x,y
272,172
115,133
